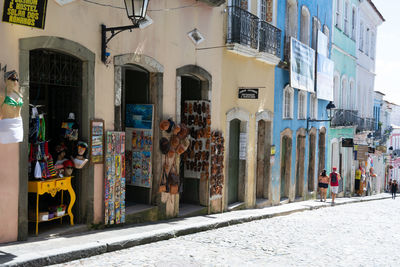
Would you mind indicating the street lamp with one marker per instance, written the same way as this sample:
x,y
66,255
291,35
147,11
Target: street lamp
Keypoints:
x,y
329,108
136,12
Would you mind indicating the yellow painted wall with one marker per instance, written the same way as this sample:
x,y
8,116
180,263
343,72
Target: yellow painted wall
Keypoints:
x,y
241,71
165,40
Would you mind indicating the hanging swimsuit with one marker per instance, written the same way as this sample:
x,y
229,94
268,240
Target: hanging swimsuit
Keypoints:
x,y
11,130
11,102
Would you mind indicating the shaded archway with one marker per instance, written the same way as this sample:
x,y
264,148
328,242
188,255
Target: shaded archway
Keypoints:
x,y
285,164
193,85
237,120
150,74
263,166
300,161
61,45
311,160
321,149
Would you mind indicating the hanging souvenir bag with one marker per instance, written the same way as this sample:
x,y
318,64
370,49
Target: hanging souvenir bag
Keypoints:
x,y
38,170
163,181
173,180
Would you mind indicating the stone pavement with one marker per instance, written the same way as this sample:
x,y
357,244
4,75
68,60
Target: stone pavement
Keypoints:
x,y
68,248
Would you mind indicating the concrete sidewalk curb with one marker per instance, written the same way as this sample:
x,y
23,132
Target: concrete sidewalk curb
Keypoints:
x,y
173,228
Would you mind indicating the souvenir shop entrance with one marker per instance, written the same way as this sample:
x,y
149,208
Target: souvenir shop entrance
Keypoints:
x,y
55,115
137,122
191,96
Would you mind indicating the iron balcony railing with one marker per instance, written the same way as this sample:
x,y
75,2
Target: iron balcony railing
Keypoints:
x,y
270,39
242,27
247,29
345,117
366,124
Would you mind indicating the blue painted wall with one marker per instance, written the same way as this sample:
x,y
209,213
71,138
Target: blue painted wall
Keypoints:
x,y
324,10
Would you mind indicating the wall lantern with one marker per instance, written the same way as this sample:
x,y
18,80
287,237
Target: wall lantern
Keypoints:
x,y
136,12
329,109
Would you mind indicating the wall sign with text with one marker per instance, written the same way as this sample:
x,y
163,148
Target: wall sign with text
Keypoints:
x,y
248,93
30,13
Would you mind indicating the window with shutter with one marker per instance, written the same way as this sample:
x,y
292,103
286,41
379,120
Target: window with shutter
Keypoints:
x,y
287,103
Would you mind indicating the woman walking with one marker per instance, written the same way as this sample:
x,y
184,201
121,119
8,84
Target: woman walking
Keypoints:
x,y
394,189
323,181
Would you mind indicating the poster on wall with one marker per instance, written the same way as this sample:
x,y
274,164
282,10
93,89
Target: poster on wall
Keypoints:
x,y
139,143
139,116
30,13
114,180
302,67
325,69
96,141
243,146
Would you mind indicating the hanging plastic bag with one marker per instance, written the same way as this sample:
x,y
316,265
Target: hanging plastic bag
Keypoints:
x,y
38,171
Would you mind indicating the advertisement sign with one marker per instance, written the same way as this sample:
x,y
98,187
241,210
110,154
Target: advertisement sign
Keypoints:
x,y
302,67
325,69
97,141
30,13
322,44
114,180
139,132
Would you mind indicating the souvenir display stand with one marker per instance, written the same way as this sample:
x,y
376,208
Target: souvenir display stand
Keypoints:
x,y
197,158
48,176
52,186
114,183
217,163
139,140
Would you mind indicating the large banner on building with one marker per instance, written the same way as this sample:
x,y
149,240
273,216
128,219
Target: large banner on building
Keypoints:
x,y
302,66
325,68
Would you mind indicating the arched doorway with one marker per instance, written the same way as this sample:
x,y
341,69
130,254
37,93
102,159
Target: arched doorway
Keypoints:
x,y
321,150
55,92
66,50
263,167
135,96
237,167
233,172
138,81
286,164
194,90
300,161
311,160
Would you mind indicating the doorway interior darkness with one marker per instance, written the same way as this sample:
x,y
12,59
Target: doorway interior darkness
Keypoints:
x,y
234,162
300,159
55,85
263,159
136,90
286,161
191,89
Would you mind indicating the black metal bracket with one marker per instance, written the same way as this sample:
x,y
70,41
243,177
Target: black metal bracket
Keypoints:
x,y
114,31
312,120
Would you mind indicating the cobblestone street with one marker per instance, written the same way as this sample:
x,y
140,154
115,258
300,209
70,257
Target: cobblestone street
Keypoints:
x,y
362,234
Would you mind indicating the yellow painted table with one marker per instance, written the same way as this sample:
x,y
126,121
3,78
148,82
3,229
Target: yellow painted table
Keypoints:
x,y
52,186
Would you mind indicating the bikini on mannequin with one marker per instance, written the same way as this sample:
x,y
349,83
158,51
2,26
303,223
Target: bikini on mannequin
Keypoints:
x,y
11,130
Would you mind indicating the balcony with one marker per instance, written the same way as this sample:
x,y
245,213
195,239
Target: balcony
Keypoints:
x,y
270,39
344,117
366,124
213,2
249,36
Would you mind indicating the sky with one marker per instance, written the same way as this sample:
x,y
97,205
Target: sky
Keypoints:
x,y
387,56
